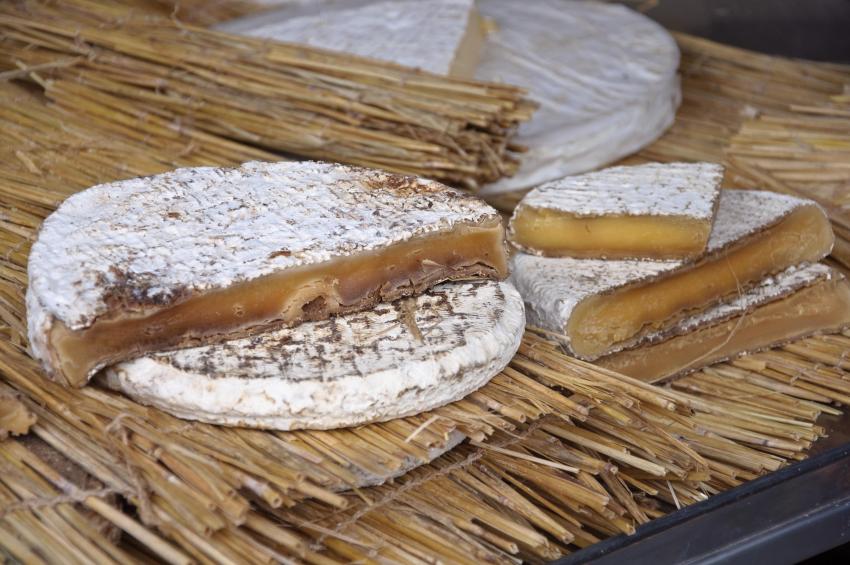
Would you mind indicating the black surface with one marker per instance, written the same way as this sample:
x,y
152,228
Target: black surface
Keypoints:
x,y
784,517
811,29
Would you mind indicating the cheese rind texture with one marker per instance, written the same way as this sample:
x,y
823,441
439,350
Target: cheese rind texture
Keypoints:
x,y
769,289
654,211
553,288
129,248
424,35
655,189
604,76
396,360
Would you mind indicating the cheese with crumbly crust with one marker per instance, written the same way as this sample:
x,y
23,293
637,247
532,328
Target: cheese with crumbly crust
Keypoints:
x,y
600,306
205,254
651,211
395,360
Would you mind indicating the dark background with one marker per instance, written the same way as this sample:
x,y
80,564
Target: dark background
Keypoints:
x,y
809,29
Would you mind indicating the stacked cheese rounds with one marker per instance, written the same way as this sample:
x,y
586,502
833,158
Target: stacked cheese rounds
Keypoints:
x,y
654,271
279,295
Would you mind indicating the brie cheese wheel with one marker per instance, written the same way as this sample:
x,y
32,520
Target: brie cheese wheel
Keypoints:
x,y
207,254
439,36
395,360
598,307
604,76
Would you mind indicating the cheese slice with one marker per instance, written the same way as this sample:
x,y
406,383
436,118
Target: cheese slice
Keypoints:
x,y
655,211
604,76
439,36
796,303
395,360
201,255
599,307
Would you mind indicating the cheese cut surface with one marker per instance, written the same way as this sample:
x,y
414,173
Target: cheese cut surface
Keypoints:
x,y
604,75
439,36
201,255
395,360
797,303
655,211
603,306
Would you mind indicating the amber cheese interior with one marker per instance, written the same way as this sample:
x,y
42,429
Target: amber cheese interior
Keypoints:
x,y
561,234
601,321
291,296
824,306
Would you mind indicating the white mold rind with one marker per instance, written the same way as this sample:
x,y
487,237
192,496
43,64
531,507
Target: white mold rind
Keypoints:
x,y
604,75
553,286
349,370
424,35
164,238
688,190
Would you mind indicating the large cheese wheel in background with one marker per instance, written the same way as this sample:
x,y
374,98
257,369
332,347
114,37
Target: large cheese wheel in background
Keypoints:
x,y
604,76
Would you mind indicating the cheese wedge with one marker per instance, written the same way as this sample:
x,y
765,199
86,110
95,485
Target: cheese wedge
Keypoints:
x,y
201,255
439,36
599,307
604,76
796,303
654,211
395,360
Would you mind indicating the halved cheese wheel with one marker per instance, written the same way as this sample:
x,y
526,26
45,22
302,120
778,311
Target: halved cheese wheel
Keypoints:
x,y
207,254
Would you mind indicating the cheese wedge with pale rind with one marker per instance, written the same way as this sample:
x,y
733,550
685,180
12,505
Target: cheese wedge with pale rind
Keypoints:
x,y
598,307
652,211
439,36
800,301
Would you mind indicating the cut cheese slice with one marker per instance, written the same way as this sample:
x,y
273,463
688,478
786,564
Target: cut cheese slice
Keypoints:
x,y
439,36
799,302
655,211
395,360
604,76
603,306
202,255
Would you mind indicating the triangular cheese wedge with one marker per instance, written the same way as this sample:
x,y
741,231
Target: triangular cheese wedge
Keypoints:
x,y
395,360
201,255
599,307
652,211
439,36
798,302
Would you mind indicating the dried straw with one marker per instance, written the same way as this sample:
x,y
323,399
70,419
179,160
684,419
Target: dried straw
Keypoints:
x,y
99,57
562,453
802,149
